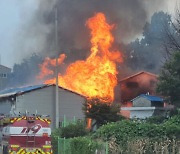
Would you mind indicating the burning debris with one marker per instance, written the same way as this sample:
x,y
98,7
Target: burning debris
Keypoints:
x,y
95,76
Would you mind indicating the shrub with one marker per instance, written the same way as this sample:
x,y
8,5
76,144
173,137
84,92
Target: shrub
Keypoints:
x,y
84,145
156,119
127,129
74,130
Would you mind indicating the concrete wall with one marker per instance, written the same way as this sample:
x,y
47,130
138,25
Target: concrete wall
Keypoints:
x,y
141,102
43,101
141,114
144,112
4,73
5,107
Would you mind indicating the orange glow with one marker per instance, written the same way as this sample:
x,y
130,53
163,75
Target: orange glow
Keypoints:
x,y
45,71
95,76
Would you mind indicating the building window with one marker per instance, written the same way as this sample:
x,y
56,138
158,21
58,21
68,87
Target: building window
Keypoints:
x,y
3,75
132,85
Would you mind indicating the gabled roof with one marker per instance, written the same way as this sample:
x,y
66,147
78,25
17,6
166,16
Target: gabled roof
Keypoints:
x,y
139,73
150,98
5,67
21,90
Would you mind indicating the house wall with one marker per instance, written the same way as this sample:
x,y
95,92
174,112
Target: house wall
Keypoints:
x,y
141,114
139,84
141,102
144,112
4,73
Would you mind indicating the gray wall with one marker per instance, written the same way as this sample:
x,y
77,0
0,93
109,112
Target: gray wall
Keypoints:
x,y
43,100
4,79
5,107
141,102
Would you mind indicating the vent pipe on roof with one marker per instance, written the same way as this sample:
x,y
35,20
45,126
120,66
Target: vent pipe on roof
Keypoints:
x,y
147,93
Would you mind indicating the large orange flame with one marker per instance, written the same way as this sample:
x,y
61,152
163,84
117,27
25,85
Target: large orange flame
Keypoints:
x,y
95,76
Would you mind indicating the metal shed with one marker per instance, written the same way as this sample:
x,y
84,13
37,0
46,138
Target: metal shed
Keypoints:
x,y
41,99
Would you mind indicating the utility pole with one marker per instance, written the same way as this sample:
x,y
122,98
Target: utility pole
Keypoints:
x,y
57,72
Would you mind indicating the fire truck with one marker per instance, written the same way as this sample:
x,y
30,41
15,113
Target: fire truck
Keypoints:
x,y
26,134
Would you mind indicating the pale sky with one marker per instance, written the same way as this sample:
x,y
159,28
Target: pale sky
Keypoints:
x,y
14,14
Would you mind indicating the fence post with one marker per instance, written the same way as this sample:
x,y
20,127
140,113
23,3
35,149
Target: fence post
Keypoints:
x,y
64,146
74,119
64,121
107,148
58,145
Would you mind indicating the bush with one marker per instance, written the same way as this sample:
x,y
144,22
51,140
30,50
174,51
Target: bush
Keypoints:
x,y
84,145
127,130
156,119
54,137
74,130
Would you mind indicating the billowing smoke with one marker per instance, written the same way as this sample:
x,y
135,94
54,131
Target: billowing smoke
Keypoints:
x,y
37,33
128,15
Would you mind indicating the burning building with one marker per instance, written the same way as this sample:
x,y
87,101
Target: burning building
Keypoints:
x,y
40,99
134,85
96,75
138,97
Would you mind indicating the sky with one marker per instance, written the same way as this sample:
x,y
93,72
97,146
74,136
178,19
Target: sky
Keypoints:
x,y
15,15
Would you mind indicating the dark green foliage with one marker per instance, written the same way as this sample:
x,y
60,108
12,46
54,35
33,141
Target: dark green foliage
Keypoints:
x,y
127,130
147,53
54,137
169,79
74,130
129,136
156,119
101,112
84,145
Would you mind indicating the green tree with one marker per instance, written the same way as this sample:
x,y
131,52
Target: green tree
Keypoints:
x,y
101,112
169,79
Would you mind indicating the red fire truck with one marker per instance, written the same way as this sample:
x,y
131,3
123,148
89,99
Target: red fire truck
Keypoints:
x,y
26,135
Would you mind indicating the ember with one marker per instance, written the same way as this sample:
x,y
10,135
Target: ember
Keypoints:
x,y
95,76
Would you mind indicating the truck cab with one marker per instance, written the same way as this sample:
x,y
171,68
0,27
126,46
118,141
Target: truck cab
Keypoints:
x,y
26,134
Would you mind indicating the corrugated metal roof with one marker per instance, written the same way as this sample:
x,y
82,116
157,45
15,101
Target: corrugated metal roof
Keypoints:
x,y
22,90
14,91
150,97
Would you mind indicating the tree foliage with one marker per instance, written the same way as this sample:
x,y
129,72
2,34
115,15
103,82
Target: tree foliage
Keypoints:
x,y
101,112
148,53
169,79
25,72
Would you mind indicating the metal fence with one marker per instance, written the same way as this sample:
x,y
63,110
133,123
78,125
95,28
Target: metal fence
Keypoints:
x,y
66,122
65,147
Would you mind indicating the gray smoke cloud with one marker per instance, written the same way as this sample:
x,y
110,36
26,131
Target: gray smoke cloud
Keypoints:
x,y
37,35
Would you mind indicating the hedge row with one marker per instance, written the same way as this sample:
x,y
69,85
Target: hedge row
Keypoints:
x,y
126,130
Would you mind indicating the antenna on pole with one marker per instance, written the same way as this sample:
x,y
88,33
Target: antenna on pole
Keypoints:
x,y
57,87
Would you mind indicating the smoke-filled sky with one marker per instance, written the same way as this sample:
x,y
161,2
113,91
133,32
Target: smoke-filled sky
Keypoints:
x,y
27,25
